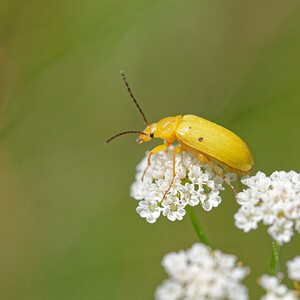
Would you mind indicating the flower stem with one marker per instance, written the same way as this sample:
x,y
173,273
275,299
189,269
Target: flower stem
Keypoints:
x,y
274,259
197,226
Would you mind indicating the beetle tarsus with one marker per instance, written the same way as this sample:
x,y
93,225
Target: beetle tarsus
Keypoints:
x,y
167,191
145,173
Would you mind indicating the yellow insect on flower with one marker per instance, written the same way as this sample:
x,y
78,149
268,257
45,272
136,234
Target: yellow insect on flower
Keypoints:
x,y
206,140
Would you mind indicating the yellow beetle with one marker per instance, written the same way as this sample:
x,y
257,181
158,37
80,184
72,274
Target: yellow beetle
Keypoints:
x,y
208,141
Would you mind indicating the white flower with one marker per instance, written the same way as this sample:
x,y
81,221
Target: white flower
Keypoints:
x,y
148,210
173,209
213,200
274,200
259,182
198,273
189,195
281,230
294,268
275,290
169,290
195,183
247,218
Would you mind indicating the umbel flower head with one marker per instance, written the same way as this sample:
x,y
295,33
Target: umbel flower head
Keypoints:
x,y
198,273
195,183
274,200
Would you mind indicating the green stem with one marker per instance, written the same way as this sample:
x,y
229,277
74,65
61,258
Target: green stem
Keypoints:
x,y
197,226
274,259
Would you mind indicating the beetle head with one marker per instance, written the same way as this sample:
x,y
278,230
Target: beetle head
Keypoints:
x,y
149,133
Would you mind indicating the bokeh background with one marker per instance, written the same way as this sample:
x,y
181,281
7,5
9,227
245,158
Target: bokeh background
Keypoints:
x,y
68,227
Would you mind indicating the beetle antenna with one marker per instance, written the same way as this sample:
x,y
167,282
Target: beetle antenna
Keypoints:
x,y
125,132
131,95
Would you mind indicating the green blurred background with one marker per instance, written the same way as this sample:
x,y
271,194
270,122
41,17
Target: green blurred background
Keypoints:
x,y
68,227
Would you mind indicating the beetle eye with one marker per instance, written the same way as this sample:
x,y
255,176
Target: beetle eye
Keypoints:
x,y
152,135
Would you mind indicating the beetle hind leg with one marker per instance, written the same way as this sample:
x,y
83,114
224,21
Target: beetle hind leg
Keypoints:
x,y
204,159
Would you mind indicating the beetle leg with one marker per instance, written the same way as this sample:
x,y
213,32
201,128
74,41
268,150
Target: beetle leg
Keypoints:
x,y
204,159
153,151
175,151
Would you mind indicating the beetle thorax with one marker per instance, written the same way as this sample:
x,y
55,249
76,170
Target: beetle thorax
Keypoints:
x,y
165,129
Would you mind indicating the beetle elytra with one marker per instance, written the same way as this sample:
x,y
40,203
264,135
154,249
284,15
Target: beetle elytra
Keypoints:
x,y
209,142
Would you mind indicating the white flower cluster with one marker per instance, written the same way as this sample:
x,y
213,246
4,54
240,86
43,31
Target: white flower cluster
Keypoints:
x,y
293,267
276,290
274,200
194,183
198,273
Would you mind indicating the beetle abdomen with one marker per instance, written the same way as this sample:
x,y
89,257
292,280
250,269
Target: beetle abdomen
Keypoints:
x,y
223,146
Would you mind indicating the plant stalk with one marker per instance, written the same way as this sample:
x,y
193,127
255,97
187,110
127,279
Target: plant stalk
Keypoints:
x,y
274,258
197,226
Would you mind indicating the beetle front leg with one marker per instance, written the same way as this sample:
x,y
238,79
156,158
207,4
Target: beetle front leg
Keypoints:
x,y
154,151
204,159
175,151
